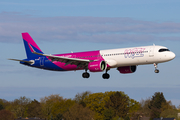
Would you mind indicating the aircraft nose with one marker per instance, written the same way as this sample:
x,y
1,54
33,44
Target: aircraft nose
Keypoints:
x,y
172,56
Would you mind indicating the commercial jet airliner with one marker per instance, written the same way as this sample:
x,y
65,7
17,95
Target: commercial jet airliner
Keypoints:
x,y
124,59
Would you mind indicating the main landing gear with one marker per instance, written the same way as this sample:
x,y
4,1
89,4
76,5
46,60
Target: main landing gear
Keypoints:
x,y
106,75
156,70
86,74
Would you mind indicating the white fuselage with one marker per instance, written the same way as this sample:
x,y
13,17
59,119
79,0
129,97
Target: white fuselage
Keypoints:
x,y
136,56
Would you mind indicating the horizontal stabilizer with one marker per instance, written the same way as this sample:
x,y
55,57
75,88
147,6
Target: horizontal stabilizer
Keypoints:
x,y
30,62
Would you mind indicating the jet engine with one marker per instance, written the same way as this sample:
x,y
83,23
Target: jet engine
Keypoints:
x,y
97,66
127,69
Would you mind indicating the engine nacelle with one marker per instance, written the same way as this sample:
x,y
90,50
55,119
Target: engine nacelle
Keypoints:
x,y
127,69
97,66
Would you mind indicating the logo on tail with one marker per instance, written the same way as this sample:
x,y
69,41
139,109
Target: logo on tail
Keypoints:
x,y
30,46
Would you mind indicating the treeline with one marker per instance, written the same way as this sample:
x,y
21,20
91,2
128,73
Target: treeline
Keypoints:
x,y
113,105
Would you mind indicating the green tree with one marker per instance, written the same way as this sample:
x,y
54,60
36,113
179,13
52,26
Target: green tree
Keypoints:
x,y
34,109
119,103
62,107
144,107
108,114
47,104
167,105
57,117
19,106
78,112
155,105
134,107
169,113
96,102
103,107
79,98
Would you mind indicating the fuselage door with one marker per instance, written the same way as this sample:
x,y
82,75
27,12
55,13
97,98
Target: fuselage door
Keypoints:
x,y
151,51
41,61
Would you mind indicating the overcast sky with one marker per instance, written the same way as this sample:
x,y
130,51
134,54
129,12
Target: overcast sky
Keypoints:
x,y
83,25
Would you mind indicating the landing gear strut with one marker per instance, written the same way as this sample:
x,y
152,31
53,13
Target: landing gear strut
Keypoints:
x,y
106,75
86,74
156,70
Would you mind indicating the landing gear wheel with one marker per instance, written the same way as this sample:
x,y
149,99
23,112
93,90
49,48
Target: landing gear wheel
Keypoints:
x,y
106,76
156,71
85,75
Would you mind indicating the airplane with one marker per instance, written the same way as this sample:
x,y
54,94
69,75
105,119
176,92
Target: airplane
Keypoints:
x,y
125,60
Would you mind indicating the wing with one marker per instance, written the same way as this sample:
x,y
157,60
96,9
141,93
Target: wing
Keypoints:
x,y
81,63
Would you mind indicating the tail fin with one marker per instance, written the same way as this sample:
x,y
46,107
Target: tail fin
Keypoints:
x,y
28,43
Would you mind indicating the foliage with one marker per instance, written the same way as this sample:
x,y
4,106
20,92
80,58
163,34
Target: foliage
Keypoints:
x,y
156,105
112,105
144,107
19,106
169,110
108,105
134,107
170,113
62,107
96,102
78,112
47,104
79,98
34,109
167,105
57,117
6,115
108,114
119,103
1,104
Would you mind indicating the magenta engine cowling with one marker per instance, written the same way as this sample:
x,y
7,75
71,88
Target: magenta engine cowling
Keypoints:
x,y
127,69
97,66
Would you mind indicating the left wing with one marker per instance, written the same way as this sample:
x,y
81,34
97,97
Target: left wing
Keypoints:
x,y
81,63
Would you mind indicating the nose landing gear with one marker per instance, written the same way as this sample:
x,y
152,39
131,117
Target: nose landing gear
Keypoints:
x,y
156,70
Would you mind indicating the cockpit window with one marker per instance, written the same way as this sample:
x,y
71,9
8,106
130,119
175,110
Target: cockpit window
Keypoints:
x,y
163,50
